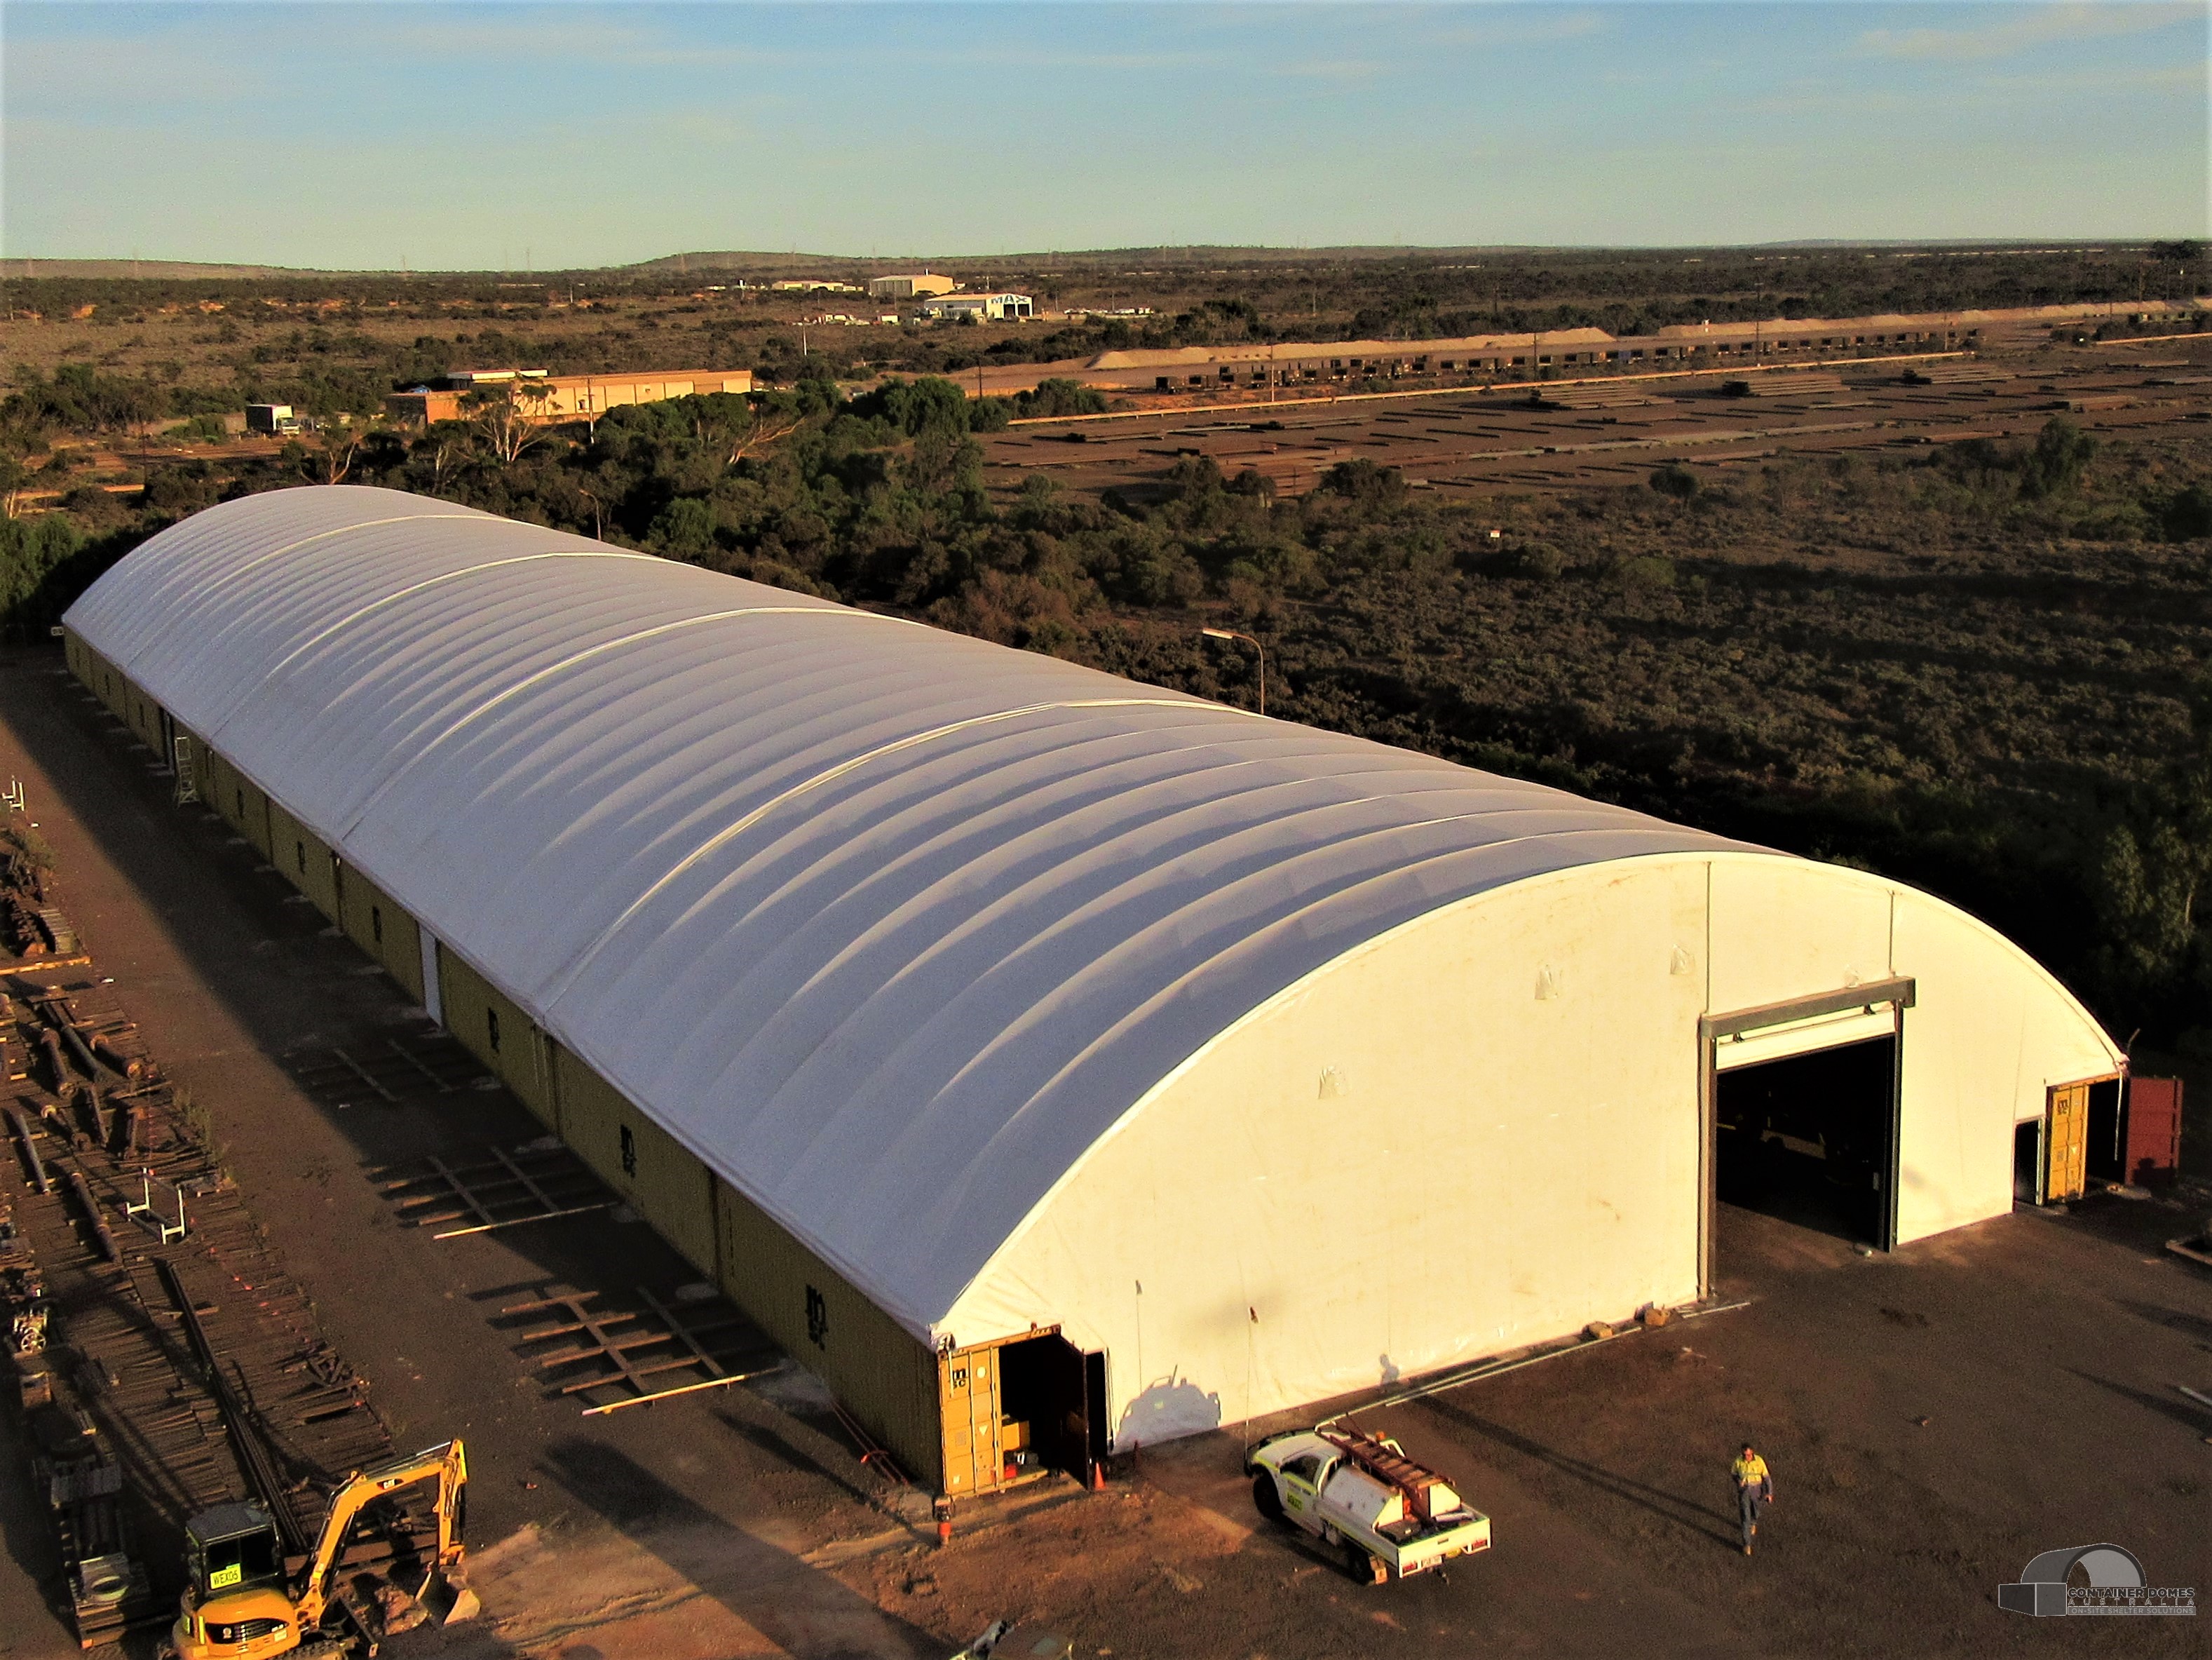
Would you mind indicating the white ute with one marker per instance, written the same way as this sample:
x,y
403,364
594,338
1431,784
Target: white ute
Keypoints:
x,y
1360,1493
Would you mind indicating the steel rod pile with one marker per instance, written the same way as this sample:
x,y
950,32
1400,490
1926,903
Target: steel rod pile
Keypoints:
x,y
179,1370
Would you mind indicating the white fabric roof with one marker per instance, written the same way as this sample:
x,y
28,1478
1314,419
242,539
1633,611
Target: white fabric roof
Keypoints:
x,y
888,925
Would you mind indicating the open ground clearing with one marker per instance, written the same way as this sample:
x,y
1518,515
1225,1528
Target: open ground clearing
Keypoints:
x,y
1497,442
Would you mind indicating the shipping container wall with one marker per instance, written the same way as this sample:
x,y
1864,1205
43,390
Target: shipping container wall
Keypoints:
x,y
636,1158
84,661
883,1375
970,1410
491,1028
256,819
137,711
218,778
376,922
240,800
304,859
145,720
107,682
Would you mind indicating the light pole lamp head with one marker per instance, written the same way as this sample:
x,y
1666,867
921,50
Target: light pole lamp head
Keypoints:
x,y
1218,633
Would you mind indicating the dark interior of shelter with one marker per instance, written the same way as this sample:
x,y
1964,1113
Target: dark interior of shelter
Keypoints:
x,y
1057,1394
2026,1161
2106,1152
1811,1139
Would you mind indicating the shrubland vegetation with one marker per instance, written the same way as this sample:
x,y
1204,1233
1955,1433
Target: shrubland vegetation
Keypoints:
x,y
1980,666
172,347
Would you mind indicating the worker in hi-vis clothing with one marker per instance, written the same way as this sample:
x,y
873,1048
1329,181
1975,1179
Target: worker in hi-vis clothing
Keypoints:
x,y
1754,1488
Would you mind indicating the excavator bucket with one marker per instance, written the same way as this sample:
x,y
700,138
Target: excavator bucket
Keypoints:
x,y
446,1597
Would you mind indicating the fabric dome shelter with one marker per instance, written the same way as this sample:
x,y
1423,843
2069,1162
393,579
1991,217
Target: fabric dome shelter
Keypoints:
x,y
933,995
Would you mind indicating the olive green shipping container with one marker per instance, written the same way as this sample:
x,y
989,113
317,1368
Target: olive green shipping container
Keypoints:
x,y
377,923
883,1375
498,1033
637,1158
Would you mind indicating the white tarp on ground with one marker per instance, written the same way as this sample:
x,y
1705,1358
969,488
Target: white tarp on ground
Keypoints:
x,y
886,925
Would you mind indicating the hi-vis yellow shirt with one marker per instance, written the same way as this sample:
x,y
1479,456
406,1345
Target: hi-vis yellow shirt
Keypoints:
x,y
1748,1472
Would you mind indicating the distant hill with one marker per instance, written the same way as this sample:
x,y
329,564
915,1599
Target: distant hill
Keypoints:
x,y
736,259
156,269
762,263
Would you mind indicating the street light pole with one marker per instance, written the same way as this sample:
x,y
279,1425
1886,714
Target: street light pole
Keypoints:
x,y
1231,634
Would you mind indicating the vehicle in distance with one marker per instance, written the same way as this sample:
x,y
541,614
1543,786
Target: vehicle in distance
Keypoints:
x,y
1361,1495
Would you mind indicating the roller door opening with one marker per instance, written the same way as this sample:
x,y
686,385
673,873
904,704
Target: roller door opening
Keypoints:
x,y
1811,1138
1803,1102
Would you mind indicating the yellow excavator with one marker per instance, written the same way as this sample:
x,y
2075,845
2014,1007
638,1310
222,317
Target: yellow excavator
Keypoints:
x,y
239,1604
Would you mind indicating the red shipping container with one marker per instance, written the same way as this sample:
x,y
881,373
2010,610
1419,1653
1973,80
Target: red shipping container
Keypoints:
x,y
2154,1129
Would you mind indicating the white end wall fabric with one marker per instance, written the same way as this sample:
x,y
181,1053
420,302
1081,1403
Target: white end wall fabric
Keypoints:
x,y
887,926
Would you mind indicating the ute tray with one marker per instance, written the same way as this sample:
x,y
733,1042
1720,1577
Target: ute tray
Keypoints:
x,y
1394,1468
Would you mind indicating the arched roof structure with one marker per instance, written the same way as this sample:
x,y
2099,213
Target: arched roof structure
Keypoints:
x,y
887,926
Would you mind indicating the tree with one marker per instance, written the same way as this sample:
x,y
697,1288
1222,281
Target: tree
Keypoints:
x,y
1363,481
2189,513
684,529
510,418
1057,398
435,453
733,428
915,407
2060,457
2151,868
330,458
31,551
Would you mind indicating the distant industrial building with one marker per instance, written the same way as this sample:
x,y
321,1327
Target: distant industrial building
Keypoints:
x,y
1055,1064
471,380
915,287
559,397
1585,350
983,308
1289,363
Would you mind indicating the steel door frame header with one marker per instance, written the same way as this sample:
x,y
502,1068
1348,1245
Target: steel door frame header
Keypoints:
x,y
1901,991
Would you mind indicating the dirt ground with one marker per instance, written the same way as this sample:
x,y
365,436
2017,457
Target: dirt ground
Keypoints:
x,y
1468,445
1934,1417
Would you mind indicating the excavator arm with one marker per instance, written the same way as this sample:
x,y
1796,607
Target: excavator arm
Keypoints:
x,y
447,1463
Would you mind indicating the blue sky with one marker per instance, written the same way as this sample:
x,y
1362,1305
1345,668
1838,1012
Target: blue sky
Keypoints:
x,y
493,134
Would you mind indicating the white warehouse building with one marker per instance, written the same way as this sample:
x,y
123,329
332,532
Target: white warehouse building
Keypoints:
x,y
983,308
1055,1063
